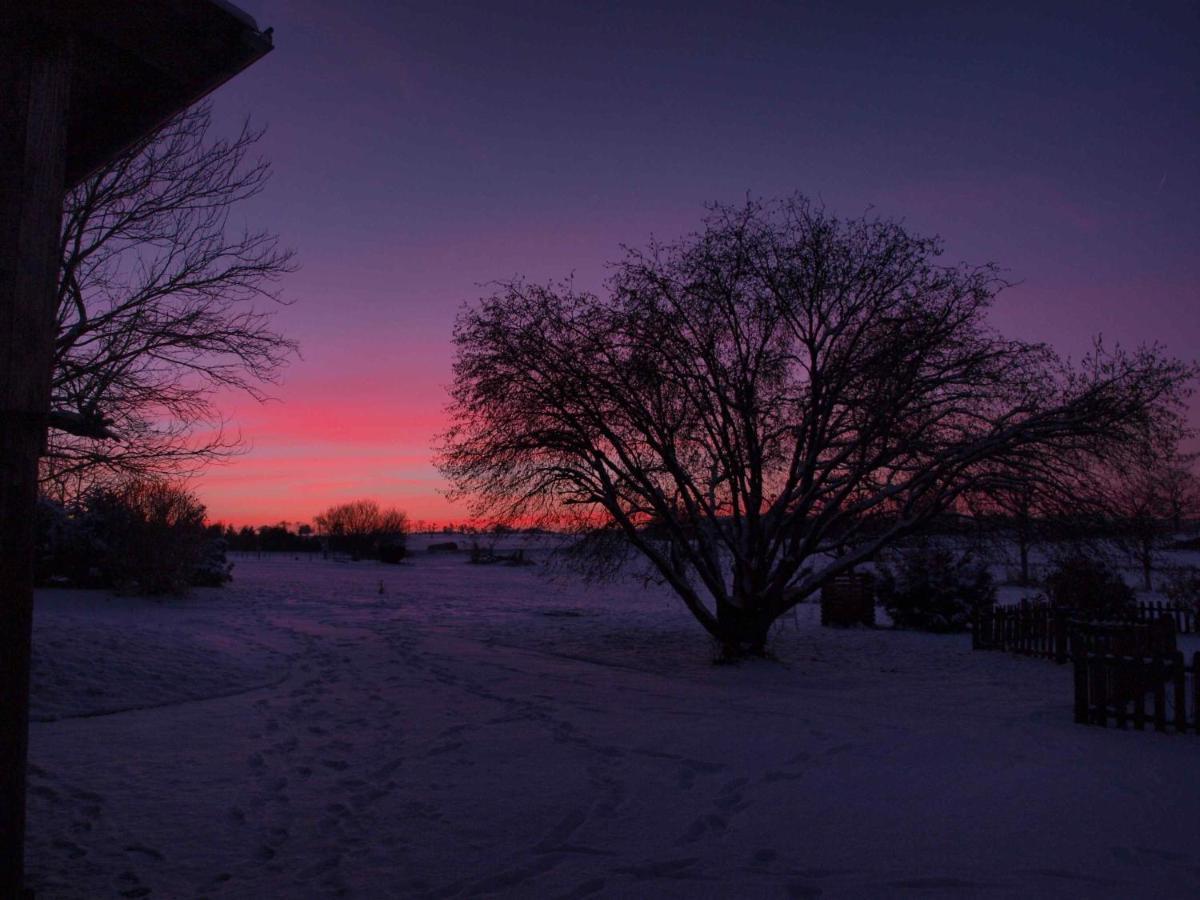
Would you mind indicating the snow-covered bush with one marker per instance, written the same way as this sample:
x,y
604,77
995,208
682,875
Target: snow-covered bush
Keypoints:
x,y
146,537
1089,586
213,569
67,550
934,588
154,535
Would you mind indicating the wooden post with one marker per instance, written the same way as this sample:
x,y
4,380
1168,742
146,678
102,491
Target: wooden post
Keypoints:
x,y
1179,689
1081,689
1160,693
1059,637
1135,683
1196,691
1098,682
34,87
1125,677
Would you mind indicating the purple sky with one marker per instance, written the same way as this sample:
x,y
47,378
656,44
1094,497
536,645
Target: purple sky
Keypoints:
x,y
421,149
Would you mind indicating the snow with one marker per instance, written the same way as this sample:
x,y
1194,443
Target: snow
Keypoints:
x,y
486,731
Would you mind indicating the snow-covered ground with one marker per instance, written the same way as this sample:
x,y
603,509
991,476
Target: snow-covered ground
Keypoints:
x,y
324,729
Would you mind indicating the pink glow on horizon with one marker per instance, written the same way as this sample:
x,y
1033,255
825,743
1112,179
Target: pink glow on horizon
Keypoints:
x,y
1059,144
314,449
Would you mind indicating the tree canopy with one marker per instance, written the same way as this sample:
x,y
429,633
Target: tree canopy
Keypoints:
x,y
769,402
161,301
361,527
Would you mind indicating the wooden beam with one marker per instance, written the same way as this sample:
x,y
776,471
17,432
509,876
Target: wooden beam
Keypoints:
x,y
35,71
139,62
80,80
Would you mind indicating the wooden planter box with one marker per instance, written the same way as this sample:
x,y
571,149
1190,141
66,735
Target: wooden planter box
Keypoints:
x,y
849,600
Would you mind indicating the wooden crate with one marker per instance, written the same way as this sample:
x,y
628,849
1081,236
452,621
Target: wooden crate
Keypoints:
x,y
848,600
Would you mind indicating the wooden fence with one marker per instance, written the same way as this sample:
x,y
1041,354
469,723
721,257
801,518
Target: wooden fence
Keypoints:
x,y
1134,691
1031,629
1123,638
1041,630
1185,618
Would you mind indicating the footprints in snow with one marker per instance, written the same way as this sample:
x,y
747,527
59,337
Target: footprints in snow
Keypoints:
x,y
727,803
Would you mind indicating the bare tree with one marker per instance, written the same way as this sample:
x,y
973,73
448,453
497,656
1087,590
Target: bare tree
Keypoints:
x,y
769,403
161,300
1181,490
361,526
1144,495
1050,502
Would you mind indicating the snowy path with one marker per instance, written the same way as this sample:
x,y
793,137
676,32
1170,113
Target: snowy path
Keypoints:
x,y
474,731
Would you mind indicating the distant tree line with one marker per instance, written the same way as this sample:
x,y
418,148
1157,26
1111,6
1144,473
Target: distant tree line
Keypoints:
x,y
360,529
151,536
278,538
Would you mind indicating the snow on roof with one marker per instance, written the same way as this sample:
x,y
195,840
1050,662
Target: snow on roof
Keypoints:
x,y
237,12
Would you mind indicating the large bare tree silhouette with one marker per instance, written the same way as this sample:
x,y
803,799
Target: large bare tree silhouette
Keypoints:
x,y
770,402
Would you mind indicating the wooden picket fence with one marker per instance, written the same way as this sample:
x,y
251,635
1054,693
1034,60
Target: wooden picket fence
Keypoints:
x,y
1128,673
1123,637
1136,691
1186,620
1030,629
1040,630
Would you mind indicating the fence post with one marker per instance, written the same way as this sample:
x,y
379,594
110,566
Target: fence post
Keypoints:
x,y
1160,695
1125,681
1178,684
1196,691
1137,684
1060,635
1081,689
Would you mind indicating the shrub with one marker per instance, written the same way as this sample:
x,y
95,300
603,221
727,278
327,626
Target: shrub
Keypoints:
x,y
1090,587
934,589
154,535
213,569
67,551
362,529
392,550
146,537
1182,587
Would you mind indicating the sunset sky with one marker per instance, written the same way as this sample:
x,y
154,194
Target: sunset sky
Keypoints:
x,y
422,149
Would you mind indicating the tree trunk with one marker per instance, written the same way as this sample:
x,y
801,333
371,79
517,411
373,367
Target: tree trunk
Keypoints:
x,y
1023,541
34,83
743,628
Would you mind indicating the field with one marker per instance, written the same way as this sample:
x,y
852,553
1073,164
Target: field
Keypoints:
x,y
323,729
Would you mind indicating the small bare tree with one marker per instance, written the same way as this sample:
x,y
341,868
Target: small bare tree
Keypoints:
x,y
769,403
161,300
1181,490
1048,502
1144,496
359,527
